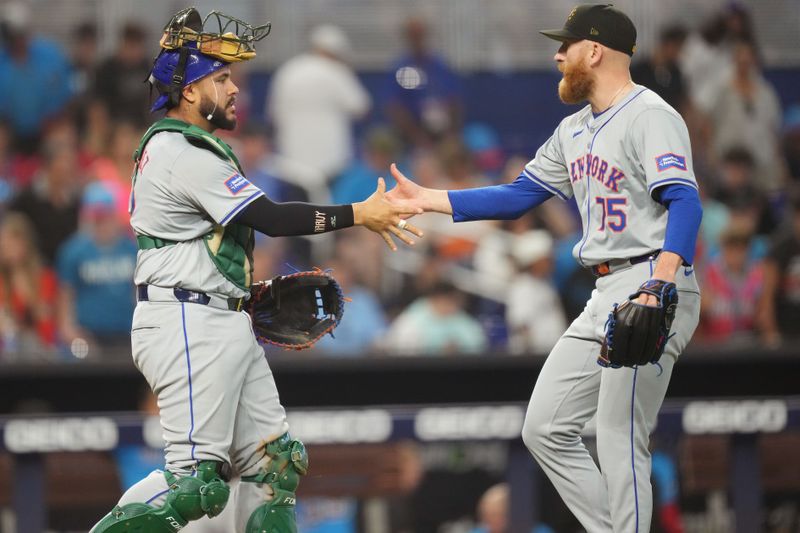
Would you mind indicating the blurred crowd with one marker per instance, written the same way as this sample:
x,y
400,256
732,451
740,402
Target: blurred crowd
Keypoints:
x,y
70,121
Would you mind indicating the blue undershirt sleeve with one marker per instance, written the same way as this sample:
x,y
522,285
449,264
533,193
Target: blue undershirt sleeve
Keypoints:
x,y
497,202
683,221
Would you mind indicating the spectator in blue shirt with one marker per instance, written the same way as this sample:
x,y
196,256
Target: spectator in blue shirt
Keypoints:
x,y
423,95
381,148
34,77
95,268
363,323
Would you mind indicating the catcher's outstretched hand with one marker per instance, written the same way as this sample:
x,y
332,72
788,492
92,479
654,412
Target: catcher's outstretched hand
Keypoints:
x,y
377,214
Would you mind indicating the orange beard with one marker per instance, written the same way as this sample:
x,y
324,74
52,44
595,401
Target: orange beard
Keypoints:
x,y
576,85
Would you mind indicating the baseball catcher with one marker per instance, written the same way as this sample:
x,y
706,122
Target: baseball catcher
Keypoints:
x,y
194,213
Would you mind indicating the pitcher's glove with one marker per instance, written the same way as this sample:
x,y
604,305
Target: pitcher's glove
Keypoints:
x,y
295,311
636,334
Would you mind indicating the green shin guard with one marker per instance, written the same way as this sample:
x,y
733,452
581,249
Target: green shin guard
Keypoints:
x,y
189,498
288,461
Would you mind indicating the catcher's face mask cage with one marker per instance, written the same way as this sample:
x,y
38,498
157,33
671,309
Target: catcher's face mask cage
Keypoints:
x,y
218,35
211,43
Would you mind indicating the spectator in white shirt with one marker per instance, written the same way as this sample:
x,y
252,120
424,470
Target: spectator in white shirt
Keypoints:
x,y
436,324
314,99
534,314
747,113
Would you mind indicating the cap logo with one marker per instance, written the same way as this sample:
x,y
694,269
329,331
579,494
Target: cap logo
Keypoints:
x,y
593,31
572,14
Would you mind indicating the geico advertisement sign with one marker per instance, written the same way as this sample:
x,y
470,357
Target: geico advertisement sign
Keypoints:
x,y
341,427
467,423
60,434
726,416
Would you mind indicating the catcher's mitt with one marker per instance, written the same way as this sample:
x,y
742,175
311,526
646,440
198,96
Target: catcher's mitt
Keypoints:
x,y
636,334
295,311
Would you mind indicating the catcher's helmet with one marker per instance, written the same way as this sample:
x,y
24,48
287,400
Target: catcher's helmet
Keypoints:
x,y
165,67
192,48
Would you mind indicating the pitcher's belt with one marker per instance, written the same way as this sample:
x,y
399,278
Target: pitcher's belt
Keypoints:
x,y
611,266
152,293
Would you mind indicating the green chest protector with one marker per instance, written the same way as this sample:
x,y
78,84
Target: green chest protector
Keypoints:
x,y
230,247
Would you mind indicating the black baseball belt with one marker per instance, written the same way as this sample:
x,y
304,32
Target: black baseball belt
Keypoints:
x,y
612,265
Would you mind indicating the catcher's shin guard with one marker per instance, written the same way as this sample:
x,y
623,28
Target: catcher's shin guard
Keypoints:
x,y
189,498
285,461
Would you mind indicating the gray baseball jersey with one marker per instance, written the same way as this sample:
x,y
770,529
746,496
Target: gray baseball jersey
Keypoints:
x,y
181,192
216,394
612,162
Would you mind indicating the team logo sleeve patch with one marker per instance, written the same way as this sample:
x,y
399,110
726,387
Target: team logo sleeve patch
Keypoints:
x,y
236,183
670,160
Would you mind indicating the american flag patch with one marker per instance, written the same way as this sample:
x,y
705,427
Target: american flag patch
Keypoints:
x,y
236,183
670,160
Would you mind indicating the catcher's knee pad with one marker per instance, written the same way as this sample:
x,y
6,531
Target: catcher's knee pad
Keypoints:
x,y
189,498
285,460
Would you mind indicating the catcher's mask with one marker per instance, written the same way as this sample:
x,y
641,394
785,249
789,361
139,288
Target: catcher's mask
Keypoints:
x,y
192,48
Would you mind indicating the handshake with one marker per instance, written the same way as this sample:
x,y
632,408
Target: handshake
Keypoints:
x,y
387,213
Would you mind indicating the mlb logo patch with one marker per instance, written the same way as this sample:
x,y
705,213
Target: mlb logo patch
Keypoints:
x,y
670,160
236,183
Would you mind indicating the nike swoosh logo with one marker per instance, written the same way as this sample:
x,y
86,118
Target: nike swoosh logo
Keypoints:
x,y
577,133
688,272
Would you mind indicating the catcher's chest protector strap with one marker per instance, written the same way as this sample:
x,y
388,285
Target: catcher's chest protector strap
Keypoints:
x,y
193,134
229,247
287,460
148,243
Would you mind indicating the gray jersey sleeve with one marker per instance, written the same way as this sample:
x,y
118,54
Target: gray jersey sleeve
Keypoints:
x,y
661,141
213,185
549,169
